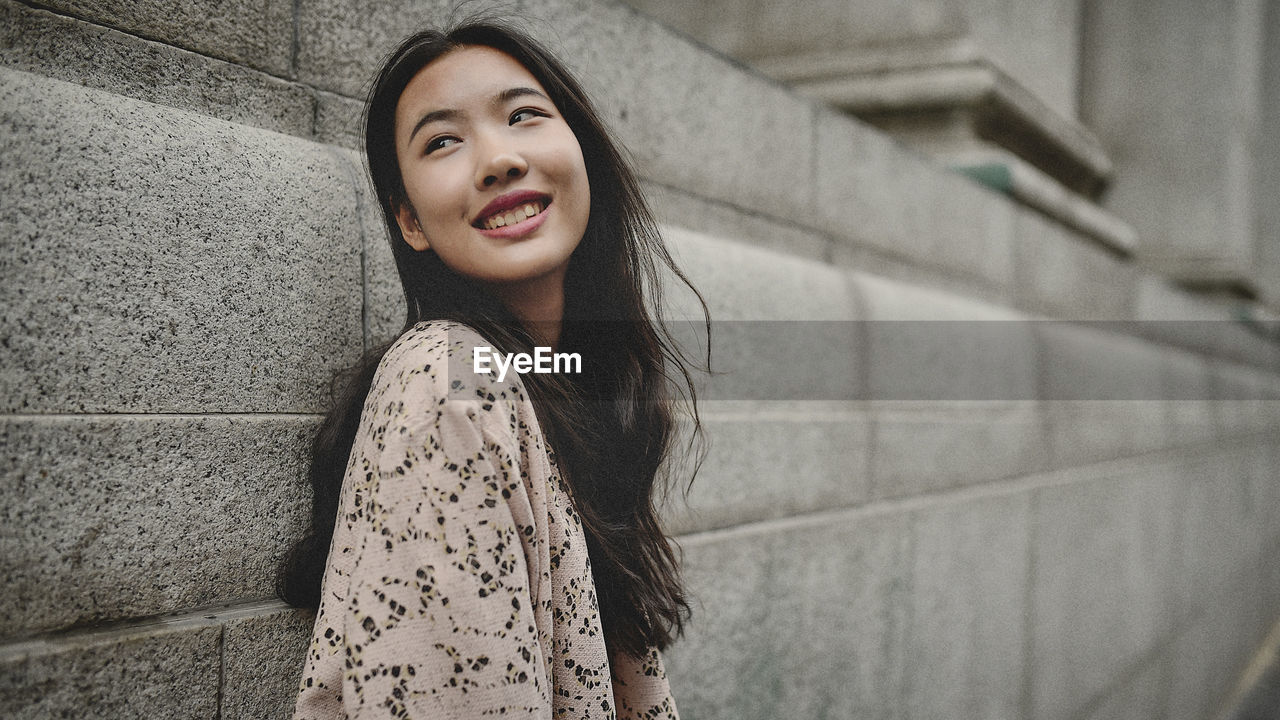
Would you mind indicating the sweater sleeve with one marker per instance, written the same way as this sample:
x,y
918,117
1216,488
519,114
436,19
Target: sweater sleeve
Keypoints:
x,y
438,617
640,687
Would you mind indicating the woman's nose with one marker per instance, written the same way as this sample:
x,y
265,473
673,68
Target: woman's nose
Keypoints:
x,y
501,163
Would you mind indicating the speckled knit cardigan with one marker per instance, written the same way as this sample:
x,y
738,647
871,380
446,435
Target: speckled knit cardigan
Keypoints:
x,y
458,583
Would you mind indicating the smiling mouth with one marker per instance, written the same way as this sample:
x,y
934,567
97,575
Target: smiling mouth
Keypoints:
x,y
513,215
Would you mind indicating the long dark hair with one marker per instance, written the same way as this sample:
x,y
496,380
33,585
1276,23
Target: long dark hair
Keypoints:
x,y
611,428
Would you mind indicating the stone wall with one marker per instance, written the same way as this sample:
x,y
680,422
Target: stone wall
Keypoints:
x,y
191,251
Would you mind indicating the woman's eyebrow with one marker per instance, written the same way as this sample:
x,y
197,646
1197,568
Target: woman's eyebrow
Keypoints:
x,y
433,116
512,93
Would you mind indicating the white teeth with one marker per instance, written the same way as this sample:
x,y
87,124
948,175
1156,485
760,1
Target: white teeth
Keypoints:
x,y
514,216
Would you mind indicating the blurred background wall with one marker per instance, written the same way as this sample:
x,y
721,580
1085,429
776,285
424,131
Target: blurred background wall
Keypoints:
x,y
1017,457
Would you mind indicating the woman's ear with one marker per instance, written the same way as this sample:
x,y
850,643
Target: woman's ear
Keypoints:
x,y
410,228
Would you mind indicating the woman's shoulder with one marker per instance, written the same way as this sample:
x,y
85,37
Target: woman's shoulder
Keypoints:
x,y
429,340
433,363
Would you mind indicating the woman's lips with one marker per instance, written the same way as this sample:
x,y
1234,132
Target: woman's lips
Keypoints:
x,y
507,202
512,215
521,227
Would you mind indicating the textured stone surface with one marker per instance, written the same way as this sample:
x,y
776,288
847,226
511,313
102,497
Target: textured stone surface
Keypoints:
x,y
745,283
262,658
1268,157
258,33
337,54
1104,394
1190,416
679,208
1222,525
1017,178
786,627
757,28
1036,42
157,260
964,645
1104,558
923,344
1157,298
773,460
1141,692
644,79
1201,671
786,335
925,447
108,518
1081,362
1059,274
151,672
384,305
1085,431
871,260
1241,394
870,190
1209,656
1205,324
972,229
338,122
1262,463
1186,178
76,51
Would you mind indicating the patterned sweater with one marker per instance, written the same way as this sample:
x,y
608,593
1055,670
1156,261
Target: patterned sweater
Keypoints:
x,y
458,583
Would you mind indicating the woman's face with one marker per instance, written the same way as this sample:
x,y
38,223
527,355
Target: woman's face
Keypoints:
x,y
495,179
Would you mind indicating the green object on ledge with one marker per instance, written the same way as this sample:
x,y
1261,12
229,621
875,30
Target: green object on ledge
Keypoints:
x,y
997,176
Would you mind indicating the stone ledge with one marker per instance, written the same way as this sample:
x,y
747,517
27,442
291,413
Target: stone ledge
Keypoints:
x,y
156,671
239,660
72,50
908,96
257,33
1013,176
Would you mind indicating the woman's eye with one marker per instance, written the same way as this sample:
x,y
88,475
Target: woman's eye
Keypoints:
x,y
440,142
525,114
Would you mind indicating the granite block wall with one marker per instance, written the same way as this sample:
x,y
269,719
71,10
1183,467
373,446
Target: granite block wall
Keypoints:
x,y
959,502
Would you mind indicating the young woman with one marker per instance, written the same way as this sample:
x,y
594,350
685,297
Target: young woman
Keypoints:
x,y
484,546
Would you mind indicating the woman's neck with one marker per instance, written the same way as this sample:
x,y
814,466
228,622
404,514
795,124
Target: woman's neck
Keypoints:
x,y
539,306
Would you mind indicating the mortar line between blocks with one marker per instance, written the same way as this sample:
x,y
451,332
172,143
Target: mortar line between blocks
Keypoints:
x,y
193,618
71,417
1026,688
133,33
222,671
296,43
